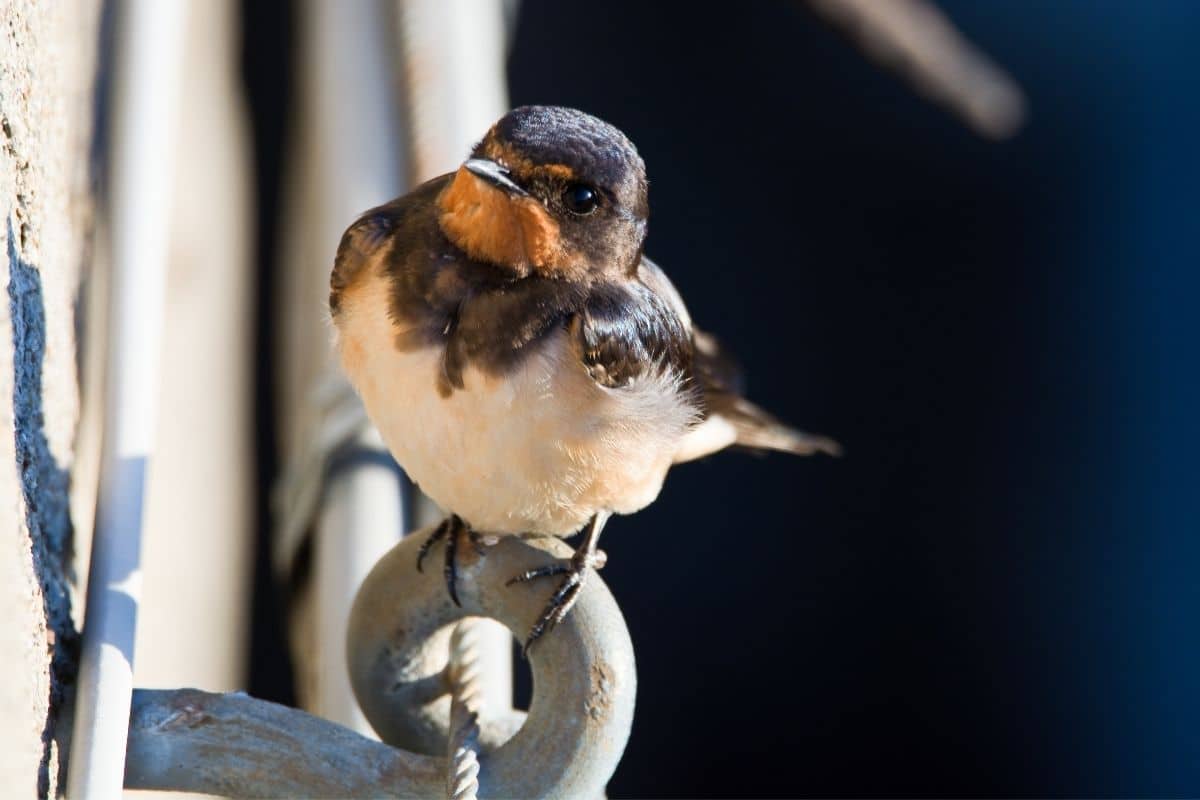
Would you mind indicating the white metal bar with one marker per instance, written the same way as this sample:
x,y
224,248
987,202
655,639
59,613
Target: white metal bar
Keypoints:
x,y
351,156
452,65
363,513
360,520
454,78
347,160
146,83
198,534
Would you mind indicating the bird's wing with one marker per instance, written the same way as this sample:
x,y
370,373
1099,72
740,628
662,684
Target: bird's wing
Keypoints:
x,y
729,419
627,331
396,227
361,242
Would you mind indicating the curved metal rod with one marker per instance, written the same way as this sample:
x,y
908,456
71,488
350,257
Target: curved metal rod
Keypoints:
x,y
236,746
583,671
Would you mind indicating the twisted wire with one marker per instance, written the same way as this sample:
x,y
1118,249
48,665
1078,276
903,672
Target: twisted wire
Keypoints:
x,y
466,694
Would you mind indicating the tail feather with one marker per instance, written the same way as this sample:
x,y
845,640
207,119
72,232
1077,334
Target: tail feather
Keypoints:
x,y
732,420
756,429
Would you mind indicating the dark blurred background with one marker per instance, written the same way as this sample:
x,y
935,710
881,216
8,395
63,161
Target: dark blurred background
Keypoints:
x,y
994,593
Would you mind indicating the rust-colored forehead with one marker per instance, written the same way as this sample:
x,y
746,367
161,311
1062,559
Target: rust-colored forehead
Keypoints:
x,y
522,166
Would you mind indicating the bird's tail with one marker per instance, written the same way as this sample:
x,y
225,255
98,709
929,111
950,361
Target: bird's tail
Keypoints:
x,y
733,421
756,429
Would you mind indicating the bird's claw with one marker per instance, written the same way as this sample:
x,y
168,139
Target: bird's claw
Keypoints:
x,y
451,529
577,569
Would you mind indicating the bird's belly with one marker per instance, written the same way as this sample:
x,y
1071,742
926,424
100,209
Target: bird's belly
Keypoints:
x,y
539,449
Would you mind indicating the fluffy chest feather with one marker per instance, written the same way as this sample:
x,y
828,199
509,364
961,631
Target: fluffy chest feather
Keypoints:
x,y
538,448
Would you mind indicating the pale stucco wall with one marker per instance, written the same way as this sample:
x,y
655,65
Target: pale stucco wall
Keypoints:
x,y
47,67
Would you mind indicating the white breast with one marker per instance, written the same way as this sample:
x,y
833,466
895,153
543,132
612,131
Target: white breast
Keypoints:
x,y
540,449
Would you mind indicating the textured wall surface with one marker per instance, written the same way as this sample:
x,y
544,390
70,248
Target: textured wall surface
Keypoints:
x,y
47,64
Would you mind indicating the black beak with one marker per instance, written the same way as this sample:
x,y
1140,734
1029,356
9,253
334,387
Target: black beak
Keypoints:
x,y
494,174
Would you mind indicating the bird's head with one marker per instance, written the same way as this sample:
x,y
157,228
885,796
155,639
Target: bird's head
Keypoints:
x,y
549,191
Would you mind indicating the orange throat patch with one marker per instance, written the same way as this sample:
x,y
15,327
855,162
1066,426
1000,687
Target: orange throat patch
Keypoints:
x,y
493,226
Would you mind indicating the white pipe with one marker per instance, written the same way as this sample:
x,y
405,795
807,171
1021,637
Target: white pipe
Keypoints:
x,y
346,160
364,501
148,62
364,513
197,541
452,65
350,157
453,70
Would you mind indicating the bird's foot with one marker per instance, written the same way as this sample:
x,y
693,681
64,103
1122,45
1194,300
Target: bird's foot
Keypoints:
x,y
452,529
577,569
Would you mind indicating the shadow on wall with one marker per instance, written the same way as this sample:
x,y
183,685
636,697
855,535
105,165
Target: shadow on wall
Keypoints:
x,y
44,484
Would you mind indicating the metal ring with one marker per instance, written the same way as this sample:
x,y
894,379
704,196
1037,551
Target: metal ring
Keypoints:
x,y
583,671
568,745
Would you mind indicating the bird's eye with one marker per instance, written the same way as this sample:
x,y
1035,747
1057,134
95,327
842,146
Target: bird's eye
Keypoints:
x,y
579,198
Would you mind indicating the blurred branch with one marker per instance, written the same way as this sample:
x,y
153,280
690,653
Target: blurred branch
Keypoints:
x,y
915,39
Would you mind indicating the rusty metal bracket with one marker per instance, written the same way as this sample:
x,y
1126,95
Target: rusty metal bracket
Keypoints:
x,y
567,746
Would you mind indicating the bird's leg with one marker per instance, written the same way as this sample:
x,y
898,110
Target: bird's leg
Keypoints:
x,y
586,559
451,529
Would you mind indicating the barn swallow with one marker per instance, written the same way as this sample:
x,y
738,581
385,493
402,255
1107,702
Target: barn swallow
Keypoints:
x,y
529,367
